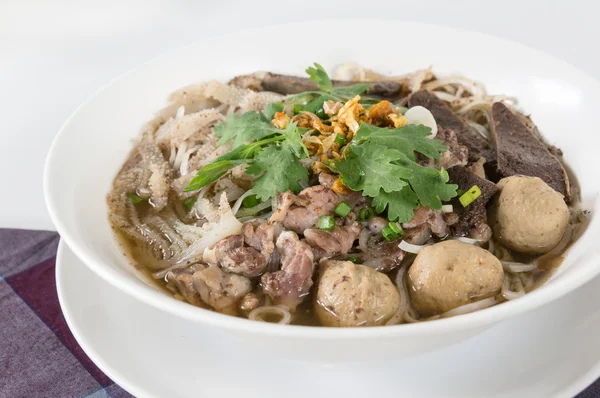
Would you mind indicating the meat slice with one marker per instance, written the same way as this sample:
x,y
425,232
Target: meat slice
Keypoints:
x,y
235,258
286,84
433,219
457,154
381,254
338,241
260,236
292,282
520,152
211,286
303,211
447,119
471,217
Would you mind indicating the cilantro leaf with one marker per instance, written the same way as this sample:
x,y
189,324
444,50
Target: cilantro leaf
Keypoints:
x,y
430,184
318,75
279,170
250,126
293,140
370,167
407,139
400,204
211,172
249,151
350,91
271,109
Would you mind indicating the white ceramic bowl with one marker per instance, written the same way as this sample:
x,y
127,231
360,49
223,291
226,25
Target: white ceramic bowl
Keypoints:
x,y
95,141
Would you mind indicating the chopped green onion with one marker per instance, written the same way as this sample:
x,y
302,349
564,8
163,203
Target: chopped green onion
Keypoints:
x,y
189,203
326,223
339,140
365,214
250,201
342,209
468,197
135,199
460,192
389,234
394,226
298,108
355,260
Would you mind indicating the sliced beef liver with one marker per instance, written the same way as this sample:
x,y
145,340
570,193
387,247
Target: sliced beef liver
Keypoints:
x,y
475,213
447,119
520,152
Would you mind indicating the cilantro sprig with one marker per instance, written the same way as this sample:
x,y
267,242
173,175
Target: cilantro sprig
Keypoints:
x,y
271,153
380,162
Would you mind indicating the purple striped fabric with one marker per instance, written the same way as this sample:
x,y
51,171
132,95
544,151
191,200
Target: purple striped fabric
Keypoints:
x,y
39,356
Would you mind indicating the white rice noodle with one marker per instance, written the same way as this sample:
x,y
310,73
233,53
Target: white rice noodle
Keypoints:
x,y
491,246
472,87
445,96
363,239
447,209
398,317
410,248
238,202
244,220
180,154
183,170
260,313
562,244
515,267
471,307
479,128
509,294
468,240
197,208
172,153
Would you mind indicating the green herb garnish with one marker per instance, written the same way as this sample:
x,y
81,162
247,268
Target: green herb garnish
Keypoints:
x,y
271,109
189,203
365,214
318,75
469,197
326,223
273,155
388,173
354,259
342,209
378,162
135,199
250,201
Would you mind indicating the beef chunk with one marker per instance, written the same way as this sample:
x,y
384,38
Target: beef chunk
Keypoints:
x,y
473,215
447,119
520,152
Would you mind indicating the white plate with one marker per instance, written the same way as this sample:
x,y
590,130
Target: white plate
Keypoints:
x,y
552,351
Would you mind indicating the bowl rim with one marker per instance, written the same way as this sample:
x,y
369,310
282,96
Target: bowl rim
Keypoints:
x,y
167,303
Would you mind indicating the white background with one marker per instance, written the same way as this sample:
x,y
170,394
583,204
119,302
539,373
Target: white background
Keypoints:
x,y
54,55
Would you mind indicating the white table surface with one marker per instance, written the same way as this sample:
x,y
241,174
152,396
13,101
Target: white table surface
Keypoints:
x,y
55,54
